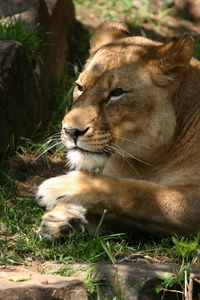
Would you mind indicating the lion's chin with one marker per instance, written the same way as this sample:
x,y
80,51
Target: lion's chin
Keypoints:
x,y
80,160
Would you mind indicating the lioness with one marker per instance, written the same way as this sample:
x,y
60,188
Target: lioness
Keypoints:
x,y
137,106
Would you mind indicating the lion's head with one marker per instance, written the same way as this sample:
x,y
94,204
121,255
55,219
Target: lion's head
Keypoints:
x,y
125,92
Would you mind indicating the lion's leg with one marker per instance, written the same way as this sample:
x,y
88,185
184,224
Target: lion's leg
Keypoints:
x,y
153,207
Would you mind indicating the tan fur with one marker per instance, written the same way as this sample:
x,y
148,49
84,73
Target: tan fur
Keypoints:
x,y
149,136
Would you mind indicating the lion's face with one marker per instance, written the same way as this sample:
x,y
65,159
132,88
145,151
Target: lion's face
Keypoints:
x,y
122,100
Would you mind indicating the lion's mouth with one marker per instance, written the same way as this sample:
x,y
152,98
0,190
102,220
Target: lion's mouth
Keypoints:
x,y
104,152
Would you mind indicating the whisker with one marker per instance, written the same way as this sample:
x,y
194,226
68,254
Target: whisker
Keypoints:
x,y
132,156
55,137
132,167
53,145
103,151
62,147
67,164
47,149
131,141
50,147
121,154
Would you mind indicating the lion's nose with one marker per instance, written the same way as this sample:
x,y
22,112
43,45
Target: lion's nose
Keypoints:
x,y
74,133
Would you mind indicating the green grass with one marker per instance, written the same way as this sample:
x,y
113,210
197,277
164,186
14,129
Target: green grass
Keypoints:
x,y
18,30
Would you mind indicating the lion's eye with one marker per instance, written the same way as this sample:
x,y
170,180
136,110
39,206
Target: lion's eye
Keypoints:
x,y
80,87
117,92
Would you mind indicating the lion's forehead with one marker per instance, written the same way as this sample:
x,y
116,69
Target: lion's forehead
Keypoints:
x,y
126,50
115,60
108,58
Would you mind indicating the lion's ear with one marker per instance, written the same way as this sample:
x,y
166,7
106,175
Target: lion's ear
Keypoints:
x,y
172,59
106,33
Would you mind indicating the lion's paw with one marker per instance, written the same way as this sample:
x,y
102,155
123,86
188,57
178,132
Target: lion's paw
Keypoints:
x,y
63,219
51,191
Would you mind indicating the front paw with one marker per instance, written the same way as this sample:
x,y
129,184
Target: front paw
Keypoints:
x,y
63,188
51,191
62,220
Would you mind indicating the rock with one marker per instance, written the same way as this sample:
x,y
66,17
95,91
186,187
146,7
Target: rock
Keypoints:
x,y
132,280
37,286
21,103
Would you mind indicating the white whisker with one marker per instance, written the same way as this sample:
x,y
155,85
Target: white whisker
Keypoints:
x,y
67,164
131,141
60,148
123,156
119,154
47,149
53,138
132,156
